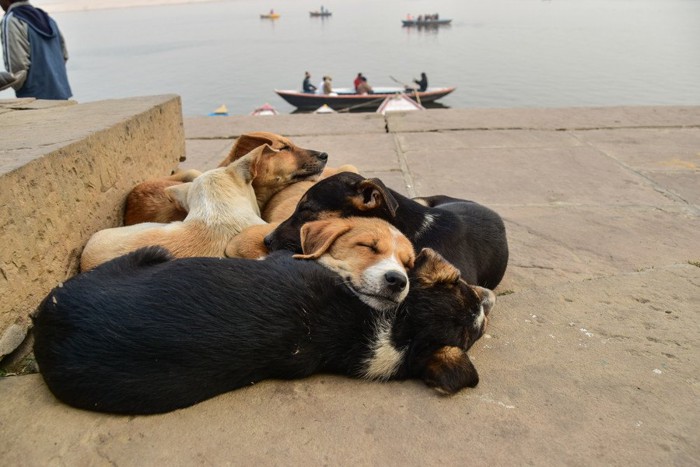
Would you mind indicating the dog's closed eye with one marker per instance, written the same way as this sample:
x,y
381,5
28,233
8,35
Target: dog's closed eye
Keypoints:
x,y
370,246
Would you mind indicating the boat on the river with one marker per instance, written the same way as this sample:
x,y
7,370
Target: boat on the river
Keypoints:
x,y
221,111
264,110
346,98
426,23
270,15
320,14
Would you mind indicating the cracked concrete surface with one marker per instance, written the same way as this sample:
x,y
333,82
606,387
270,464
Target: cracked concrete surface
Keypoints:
x,y
591,357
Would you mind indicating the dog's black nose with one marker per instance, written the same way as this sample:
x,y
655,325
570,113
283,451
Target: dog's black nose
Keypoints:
x,y
267,241
396,281
322,156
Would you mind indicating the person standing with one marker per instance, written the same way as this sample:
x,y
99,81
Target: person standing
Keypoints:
x,y
34,51
6,80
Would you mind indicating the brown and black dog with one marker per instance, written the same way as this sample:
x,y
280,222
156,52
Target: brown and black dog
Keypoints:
x,y
467,234
289,163
164,334
283,203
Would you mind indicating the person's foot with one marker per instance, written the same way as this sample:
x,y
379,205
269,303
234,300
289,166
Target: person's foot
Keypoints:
x,y
6,80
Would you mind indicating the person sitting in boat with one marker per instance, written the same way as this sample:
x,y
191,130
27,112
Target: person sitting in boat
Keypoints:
x,y
364,87
327,85
357,81
306,86
422,82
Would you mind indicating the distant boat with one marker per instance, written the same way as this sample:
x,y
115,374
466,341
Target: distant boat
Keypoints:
x,y
220,111
398,103
320,13
426,23
270,16
264,110
346,98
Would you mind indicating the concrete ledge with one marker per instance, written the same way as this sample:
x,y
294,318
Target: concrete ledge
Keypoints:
x,y
545,119
64,173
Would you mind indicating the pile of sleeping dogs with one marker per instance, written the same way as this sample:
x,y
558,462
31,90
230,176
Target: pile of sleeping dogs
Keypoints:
x,y
161,319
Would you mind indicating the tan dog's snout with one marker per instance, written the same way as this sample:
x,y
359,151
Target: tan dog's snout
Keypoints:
x,y
396,281
321,156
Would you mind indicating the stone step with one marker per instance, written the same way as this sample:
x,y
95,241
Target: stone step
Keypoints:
x,y
65,171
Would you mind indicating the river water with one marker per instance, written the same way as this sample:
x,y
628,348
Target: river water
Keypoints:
x,y
498,53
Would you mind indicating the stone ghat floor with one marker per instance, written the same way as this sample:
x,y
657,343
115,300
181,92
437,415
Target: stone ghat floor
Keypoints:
x,y
592,356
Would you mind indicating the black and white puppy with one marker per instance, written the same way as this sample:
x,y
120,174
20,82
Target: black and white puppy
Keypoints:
x,y
144,333
469,235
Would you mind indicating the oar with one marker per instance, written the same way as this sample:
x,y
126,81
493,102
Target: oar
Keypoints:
x,y
405,86
397,81
358,106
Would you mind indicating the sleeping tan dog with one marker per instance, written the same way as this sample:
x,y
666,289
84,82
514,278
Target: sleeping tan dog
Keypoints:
x,y
370,254
285,201
250,242
220,204
148,201
287,164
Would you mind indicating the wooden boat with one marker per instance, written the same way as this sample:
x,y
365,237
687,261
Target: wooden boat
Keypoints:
x,y
321,14
346,98
270,16
264,110
426,23
398,103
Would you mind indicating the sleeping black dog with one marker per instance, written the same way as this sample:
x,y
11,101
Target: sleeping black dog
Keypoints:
x,y
144,333
467,234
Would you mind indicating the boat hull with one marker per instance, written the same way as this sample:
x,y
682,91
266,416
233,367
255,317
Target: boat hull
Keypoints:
x,y
304,101
426,24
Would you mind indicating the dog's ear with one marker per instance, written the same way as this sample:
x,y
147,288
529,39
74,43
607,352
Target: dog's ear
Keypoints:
x,y
262,155
318,236
431,268
250,165
372,194
243,145
178,195
449,369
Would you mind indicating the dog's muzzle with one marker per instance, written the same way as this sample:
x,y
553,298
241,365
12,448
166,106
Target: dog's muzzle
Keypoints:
x,y
395,281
